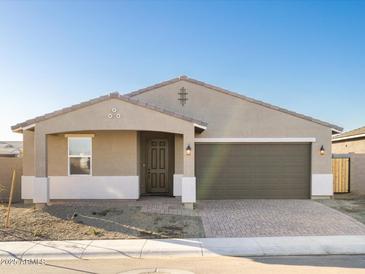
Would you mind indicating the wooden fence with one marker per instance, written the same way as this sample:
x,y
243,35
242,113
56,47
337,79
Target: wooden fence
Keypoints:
x,y
341,174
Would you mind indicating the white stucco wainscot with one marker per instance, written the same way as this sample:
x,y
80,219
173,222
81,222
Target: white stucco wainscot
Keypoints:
x,y
94,187
322,185
188,190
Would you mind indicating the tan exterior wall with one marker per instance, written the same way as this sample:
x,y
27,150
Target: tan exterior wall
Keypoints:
x,y
95,118
350,146
179,154
113,154
357,174
6,170
28,153
57,155
229,116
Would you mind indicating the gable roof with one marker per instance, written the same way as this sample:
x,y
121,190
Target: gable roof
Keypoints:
x,y
352,134
335,128
114,95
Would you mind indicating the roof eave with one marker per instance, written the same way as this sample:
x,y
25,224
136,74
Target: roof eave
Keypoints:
x,y
115,95
357,136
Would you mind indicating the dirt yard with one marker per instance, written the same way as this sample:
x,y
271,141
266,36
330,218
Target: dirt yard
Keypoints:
x,y
351,205
62,222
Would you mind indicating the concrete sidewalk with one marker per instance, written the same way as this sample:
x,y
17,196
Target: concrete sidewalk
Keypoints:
x,y
260,246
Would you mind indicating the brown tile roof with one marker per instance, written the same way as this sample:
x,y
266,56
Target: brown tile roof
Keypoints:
x,y
355,133
114,95
197,82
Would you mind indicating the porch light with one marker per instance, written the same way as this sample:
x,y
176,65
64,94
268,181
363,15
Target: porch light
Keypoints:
x,y
321,151
188,150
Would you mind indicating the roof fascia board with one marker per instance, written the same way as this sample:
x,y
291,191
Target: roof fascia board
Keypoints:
x,y
31,123
349,137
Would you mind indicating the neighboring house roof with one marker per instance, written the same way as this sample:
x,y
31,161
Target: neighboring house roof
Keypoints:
x,y
10,148
197,82
352,134
114,95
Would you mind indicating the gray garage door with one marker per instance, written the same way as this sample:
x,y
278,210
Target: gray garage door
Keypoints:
x,y
253,171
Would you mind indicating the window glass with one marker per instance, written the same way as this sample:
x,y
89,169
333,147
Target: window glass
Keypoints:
x,y
79,147
80,165
79,155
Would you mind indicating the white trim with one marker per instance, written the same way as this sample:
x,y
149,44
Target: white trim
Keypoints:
x,y
188,190
28,127
322,185
349,137
40,190
177,184
200,126
255,140
94,187
336,130
80,135
73,156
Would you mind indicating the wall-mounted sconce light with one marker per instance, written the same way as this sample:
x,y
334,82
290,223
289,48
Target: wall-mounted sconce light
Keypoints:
x,y
188,150
321,151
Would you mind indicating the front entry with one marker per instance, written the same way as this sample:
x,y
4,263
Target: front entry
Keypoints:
x,y
157,179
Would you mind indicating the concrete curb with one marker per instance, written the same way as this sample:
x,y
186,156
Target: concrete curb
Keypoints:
x,y
202,247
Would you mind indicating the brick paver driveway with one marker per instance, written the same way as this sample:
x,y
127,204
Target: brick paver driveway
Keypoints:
x,y
253,218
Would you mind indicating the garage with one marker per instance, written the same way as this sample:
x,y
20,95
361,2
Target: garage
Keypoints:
x,y
253,171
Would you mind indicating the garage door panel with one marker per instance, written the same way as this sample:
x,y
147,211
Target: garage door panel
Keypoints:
x,y
233,171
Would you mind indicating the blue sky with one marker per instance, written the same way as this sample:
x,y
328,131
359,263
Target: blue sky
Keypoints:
x,y
307,56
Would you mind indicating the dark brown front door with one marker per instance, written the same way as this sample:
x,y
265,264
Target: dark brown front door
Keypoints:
x,y
157,166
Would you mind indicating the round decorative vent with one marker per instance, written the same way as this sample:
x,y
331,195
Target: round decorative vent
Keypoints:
x,y
113,113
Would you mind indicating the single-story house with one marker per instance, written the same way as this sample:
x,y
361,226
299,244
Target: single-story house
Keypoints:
x,y
352,141
181,137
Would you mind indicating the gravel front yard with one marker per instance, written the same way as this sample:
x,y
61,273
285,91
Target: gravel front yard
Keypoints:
x,y
67,222
353,206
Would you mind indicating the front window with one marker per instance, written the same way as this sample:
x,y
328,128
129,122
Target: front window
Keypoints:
x,y
79,156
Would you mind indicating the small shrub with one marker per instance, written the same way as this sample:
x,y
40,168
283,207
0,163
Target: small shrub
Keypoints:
x,y
37,233
95,232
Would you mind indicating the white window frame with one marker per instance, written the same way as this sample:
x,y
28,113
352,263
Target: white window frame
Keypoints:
x,y
74,156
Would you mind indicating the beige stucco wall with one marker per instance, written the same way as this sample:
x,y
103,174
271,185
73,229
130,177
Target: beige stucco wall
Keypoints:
x,y
357,174
95,118
57,155
113,154
350,146
28,153
179,154
229,116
